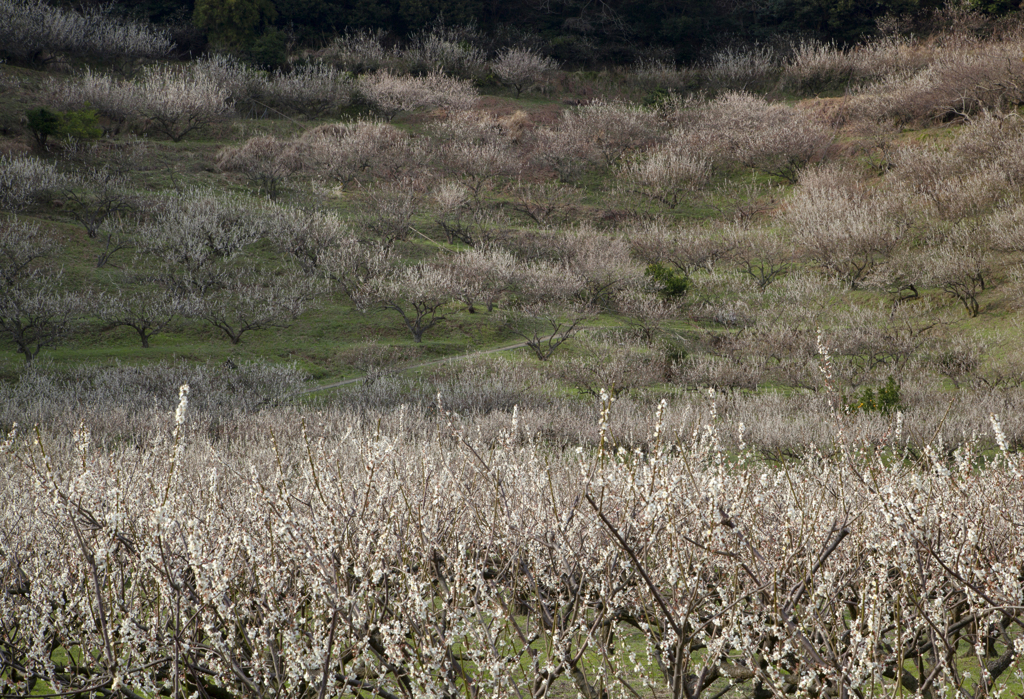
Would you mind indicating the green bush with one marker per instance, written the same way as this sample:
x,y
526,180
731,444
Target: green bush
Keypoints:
x,y
269,51
44,123
886,400
673,284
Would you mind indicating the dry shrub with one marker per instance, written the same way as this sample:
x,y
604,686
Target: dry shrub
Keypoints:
x,y
387,210
598,133
960,82
664,173
516,125
521,68
358,151
841,223
358,52
741,68
388,94
687,248
312,89
742,128
265,160
31,29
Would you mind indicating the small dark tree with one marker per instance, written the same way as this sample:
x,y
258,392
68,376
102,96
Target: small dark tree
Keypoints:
x,y
671,285
80,124
43,123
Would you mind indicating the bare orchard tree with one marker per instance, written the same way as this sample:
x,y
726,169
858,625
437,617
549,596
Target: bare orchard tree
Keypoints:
x,y
763,254
545,326
96,196
193,234
480,164
603,262
596,134
147,311
38,312
544,308
313,89
1006,228
545,202
521,68
488,275
26,179
664,173
168,99
960,265
264,160
38,31
451,211
747,129
842,224
613,364
358,152
646,311
308,237
420,294
177,102
687,248
254,299
387,211
23,250
115,235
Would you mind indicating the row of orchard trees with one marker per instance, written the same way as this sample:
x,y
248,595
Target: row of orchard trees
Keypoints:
x,y
937,220
242,264
373,563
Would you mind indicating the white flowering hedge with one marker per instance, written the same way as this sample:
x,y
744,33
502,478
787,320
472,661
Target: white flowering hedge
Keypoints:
x,y
398,563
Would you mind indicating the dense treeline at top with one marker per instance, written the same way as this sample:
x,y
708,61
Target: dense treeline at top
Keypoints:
x,y
577,32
